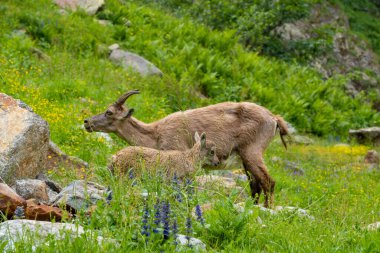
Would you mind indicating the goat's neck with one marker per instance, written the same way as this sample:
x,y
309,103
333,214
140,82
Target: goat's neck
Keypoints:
x,y
194,154
137,133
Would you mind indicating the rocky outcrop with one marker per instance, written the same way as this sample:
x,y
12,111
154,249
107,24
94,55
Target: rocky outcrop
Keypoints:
x,y
9,200
328,27
133,61
89,6
370,135
80,195
24,140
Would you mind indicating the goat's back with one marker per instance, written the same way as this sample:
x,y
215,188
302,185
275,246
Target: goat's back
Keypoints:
x,y
230,125
142,158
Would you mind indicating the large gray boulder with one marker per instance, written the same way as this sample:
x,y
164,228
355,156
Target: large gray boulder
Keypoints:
x,y
24,140
89,6
13,231
133,61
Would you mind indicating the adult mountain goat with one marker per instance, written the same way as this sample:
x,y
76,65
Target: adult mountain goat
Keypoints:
x,y
243,128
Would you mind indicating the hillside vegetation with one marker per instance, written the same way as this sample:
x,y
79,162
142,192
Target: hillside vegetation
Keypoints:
x,y
58,64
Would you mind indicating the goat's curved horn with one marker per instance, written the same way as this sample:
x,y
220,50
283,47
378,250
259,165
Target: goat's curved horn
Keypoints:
x,y
124,97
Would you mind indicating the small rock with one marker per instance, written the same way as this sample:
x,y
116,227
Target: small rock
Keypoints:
x,y
114,47
194,242
36,211
299,211
41,55
130,60
294,168
207,180
104,22
372,157
80,195
291,129
240,207
89,6
374,226
108,140
367,135
32,189
299,139
236,175
9,200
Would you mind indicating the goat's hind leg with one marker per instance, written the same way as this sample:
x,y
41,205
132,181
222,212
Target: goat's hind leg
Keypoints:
x,y
254,185
255,166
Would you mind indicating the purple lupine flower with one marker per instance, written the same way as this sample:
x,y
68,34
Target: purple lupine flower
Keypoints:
x,y
198,212
19,212
189,230
131,176
175,231
109,196
165,219
146,226
189,188
157,216
177,188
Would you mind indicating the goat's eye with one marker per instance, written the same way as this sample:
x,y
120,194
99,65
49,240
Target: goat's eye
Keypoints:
x,y
212,152
108,113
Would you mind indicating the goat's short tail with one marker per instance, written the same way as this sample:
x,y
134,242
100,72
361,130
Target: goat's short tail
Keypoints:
x,y
281,125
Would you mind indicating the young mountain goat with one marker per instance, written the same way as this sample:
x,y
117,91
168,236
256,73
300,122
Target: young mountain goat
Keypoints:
x,y
173,162
243,128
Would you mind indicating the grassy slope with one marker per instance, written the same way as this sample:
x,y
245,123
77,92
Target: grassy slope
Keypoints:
x,y
78,82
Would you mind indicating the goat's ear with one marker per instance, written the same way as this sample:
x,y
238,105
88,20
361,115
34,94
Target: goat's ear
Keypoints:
x,y
196,137
203,140
129,113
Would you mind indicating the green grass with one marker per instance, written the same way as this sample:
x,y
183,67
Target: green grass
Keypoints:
x,y
78,81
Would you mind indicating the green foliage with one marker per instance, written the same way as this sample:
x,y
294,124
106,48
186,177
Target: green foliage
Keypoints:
x,y
364,20
253,20
195,60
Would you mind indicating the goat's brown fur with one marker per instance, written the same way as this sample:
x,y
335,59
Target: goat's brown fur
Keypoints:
x,y
173,162
245,128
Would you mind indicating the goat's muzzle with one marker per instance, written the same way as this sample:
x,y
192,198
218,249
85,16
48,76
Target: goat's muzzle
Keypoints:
x,y
215,163
87,126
